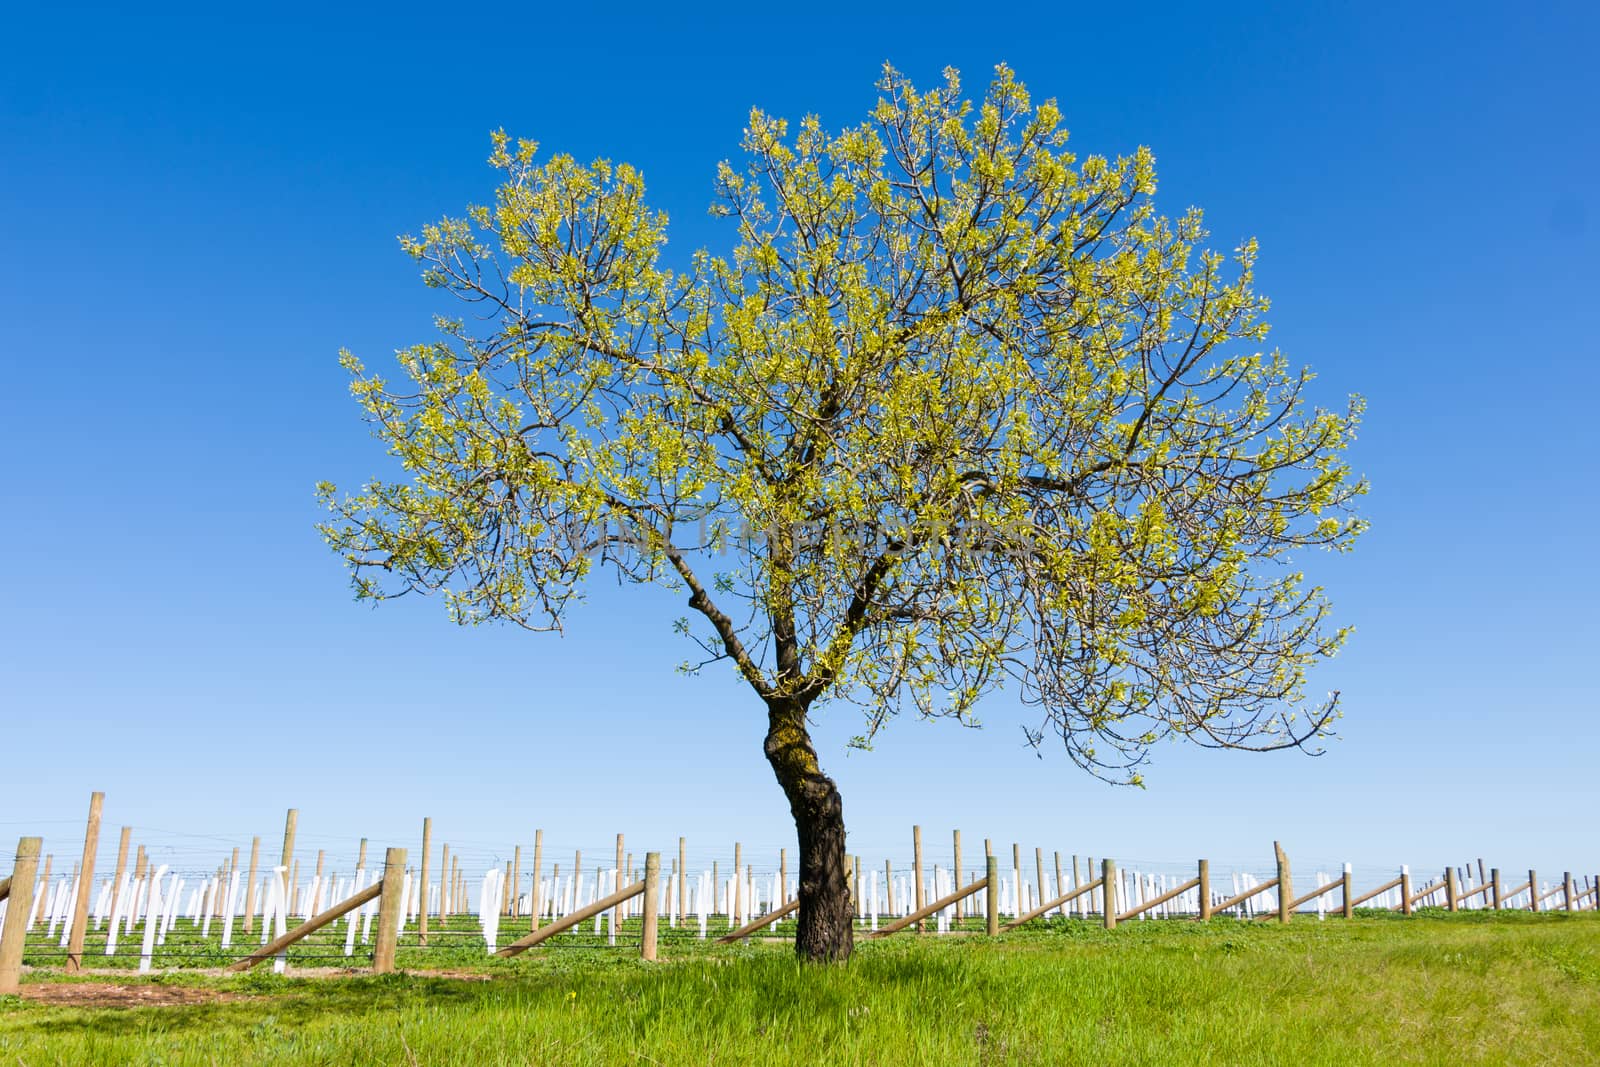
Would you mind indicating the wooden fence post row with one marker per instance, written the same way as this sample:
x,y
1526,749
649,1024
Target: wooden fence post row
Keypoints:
x,y
69,904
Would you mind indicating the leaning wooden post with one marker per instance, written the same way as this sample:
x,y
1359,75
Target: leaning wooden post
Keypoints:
x,y
1348,906
991,895
538,868
1108,892
1205,890
17,913
250,885
80,910
1285,886
957,880
916,875
652,892
391,908
1533,890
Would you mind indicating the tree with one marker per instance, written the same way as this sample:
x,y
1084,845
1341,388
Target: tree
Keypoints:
x,y
959,409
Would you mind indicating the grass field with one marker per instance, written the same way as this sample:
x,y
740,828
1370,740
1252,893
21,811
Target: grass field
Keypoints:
x,y
1470,988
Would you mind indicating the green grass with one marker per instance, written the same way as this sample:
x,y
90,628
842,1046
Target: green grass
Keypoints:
x,y
1470,988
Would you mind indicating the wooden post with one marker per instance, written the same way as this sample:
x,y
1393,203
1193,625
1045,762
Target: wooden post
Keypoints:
x,y
1348,906
1285,886
222,897
568,921
888,884
683,875
122,869
933,907
361,856
17,914
960,904
916,874
44,897
1405,891
1108,891
652,892
422,906
444,884
1038,866
855,881
316,898
622,880
391,909
1205,890
80,909
1016,876
783,876
1533,890
735,915
716,886
991,896
1450,888
290,821
577,875
1059,889
1494,880
538,868
1566,885
515,894
250,885
309,927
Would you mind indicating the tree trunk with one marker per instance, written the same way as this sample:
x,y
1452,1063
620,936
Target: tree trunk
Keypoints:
x,y
827,928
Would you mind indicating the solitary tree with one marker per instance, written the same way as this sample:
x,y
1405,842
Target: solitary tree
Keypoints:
x,y
959,408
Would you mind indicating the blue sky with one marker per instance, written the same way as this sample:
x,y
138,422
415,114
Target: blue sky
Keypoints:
x,y
199,212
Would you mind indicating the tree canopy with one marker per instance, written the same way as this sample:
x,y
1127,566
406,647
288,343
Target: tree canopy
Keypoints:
x,y
959,409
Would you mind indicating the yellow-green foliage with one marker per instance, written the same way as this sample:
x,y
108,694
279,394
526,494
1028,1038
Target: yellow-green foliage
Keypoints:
x,y
959,406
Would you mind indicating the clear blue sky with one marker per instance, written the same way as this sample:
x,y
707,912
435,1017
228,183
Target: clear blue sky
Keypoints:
x,y
199,212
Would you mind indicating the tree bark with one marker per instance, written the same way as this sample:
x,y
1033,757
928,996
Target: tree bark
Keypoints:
x,y
827,926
